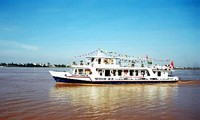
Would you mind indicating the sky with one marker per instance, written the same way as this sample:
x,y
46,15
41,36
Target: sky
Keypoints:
x,y
55,31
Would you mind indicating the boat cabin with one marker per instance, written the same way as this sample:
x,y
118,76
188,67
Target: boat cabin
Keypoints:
x,y
82,71
101,61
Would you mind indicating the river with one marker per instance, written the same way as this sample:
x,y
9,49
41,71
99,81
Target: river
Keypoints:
x,y
31,93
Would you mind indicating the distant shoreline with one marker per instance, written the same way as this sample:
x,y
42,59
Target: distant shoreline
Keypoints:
x,y
30,67
61,66
187,68
48,65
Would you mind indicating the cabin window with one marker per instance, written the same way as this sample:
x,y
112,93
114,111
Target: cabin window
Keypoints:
x,y
147,73
75,71
111,61
159,73
99,61
131,72
87,71
80,71
125,72
119,72
114,72
92,59
105,61
142,73
99,71
107,72
136,73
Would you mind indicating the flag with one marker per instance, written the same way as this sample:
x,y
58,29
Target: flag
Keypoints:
x,y
172,64
147,57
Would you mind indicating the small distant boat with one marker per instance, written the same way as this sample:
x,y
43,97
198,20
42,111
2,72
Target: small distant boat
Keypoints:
x,y
113,68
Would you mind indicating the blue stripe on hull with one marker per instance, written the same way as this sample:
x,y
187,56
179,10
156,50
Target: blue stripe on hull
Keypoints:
x,y
66,80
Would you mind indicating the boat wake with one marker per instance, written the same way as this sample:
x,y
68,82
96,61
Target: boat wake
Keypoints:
x,y
189,82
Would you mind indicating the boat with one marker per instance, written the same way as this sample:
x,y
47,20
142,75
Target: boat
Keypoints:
x,y
112,68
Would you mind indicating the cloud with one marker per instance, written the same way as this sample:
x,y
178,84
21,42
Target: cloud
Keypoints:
x,y
14,44
29,47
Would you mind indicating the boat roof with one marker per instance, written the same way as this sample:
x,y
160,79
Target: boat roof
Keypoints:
x,y
100,57
100,54
113,55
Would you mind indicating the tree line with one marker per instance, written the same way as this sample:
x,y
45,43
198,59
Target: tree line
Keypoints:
x,y
31,65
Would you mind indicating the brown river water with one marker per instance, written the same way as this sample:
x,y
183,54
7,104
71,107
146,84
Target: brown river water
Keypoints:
x,y
32,94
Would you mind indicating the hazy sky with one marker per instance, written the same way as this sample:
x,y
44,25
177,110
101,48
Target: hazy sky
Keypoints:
x,y
55,31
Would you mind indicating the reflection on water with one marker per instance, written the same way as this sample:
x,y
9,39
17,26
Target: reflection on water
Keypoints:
x,y
117,101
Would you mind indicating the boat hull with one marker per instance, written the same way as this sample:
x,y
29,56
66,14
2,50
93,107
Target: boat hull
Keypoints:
x,y
77,81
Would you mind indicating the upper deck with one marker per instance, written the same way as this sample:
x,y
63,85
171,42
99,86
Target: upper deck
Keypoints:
x,y
112,61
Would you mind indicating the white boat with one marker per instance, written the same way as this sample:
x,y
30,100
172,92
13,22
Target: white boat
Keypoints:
x,y
109,68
